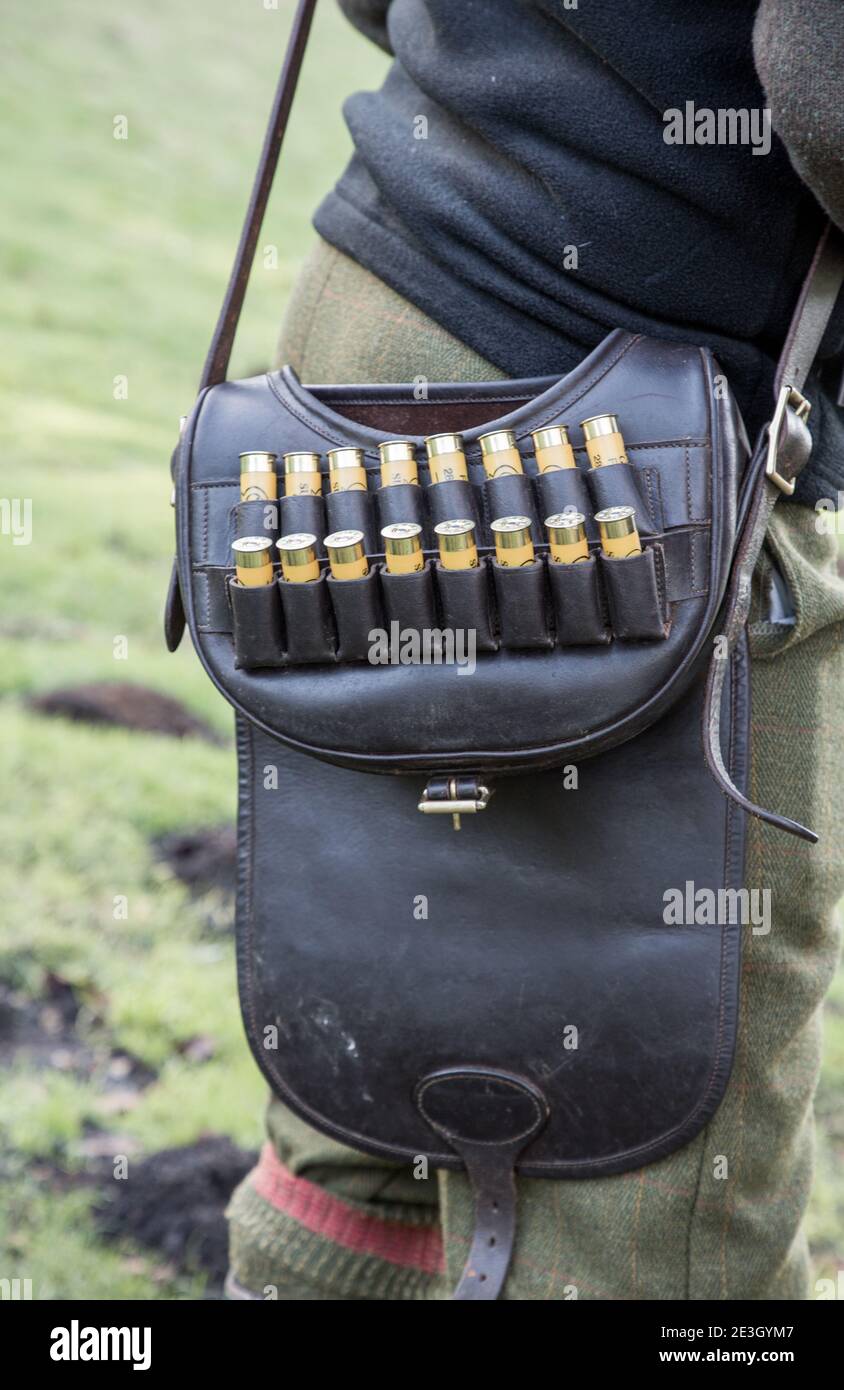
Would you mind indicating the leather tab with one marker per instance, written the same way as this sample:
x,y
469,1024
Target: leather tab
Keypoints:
x,y
812,312
489,1117
174,612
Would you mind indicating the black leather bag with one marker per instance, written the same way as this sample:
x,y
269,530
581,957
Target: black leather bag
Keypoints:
x,y
509,997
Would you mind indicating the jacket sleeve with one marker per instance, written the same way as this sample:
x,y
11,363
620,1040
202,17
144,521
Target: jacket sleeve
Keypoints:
x,y
798,48
370,17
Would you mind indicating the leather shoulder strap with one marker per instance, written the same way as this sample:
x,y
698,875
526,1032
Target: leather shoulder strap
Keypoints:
x,y
781,454
812,311
217,361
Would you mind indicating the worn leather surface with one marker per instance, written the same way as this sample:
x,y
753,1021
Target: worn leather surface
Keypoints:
x,y
521,708
378,945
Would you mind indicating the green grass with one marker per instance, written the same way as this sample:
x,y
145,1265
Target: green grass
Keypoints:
x,y
48,1237
114,255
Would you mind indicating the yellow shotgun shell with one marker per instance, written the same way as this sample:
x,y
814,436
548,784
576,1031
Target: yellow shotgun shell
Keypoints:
x,y
552,448
299,563
346,472
346,555
500,454
567,541
513,544
253,560
258,482
458,549
604,443
619,537
302,477
403,547
446,458
398,462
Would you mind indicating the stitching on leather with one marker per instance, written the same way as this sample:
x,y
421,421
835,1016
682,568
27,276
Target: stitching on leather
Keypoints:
x,y
246,827
693,560
398,402
659,574
648,474
292,406
204,599
684,443
319,427
205,526
568,401
703,583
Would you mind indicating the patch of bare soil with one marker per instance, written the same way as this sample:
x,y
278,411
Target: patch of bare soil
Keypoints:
x,y
45,1033
173,1203
126,706
203,858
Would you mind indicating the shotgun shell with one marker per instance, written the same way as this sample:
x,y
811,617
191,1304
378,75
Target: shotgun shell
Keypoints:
x,y
403,547
257,477
253,560
446,458
552,448
604,443
458,550
346,472
398,462
513,544
346,555
619,536
299,563
500,454
567,537
302,477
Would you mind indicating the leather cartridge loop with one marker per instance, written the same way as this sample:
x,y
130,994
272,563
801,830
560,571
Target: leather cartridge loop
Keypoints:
x,y
795,446
811,315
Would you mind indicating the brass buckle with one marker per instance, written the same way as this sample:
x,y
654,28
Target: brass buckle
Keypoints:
x,y
453,805
788,396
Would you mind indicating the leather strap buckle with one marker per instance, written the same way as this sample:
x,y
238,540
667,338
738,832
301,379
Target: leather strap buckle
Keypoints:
x,y
455,797
789,398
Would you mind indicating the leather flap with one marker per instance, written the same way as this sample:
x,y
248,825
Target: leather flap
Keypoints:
x,y
513,707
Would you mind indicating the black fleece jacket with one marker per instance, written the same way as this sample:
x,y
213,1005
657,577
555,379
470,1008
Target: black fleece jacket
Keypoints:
x,y
512,179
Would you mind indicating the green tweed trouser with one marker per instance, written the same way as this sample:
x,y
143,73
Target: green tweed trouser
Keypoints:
x,y
718,1219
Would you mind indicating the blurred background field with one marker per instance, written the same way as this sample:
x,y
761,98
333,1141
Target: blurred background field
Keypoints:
x,y
119,1026
121,1035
